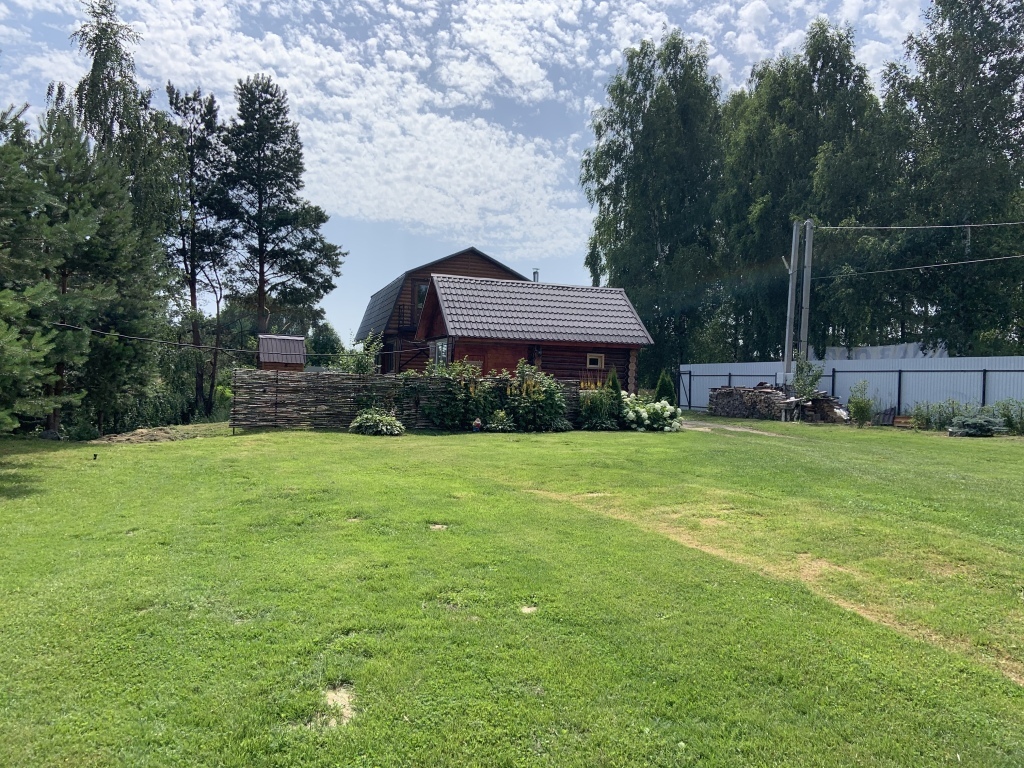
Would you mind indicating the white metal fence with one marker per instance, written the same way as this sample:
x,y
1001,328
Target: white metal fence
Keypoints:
x,y
891,383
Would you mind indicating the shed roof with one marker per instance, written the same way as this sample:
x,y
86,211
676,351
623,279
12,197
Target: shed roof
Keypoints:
x,y
282,349
382,303
523,310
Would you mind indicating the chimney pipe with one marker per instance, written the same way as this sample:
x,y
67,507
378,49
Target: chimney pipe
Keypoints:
x,y
536,275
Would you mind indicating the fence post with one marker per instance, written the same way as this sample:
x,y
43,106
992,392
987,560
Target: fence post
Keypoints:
x,y
899,392
833,382
730,378
984,387
689,393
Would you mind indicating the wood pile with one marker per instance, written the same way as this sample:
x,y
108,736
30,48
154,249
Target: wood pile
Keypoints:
x,y
331,400
764,403
770,403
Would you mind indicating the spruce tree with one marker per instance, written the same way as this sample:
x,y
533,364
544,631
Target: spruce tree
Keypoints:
x,y
666,389
284,259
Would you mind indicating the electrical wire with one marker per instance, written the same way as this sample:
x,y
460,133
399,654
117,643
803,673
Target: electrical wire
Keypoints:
x,y
922,267
227,350
923,226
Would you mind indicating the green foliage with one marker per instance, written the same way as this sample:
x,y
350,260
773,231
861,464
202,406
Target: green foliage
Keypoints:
x,y
653,176
533,399
600,409
500,421
284,257
362,361
458,395
945,415
806,376
981,425
1012,413
646,415
861,406
374,421
665,390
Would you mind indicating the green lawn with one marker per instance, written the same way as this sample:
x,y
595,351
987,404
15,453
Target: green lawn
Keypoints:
x,y
820,596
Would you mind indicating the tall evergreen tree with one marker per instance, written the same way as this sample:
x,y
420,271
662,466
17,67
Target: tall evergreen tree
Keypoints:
x,y
653,175
284,258
24,290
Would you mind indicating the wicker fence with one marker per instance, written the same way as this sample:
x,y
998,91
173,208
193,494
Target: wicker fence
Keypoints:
x,y
329,400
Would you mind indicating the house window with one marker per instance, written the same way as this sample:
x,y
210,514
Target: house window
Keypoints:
x,y
595,362
420,292
441,352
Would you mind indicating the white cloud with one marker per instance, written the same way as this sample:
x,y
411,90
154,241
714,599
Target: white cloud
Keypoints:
x,y
425,113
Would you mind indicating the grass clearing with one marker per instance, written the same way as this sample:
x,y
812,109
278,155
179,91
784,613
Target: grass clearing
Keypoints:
x,y
710,598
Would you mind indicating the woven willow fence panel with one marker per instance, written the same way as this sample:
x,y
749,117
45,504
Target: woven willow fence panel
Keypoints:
x,y
328,400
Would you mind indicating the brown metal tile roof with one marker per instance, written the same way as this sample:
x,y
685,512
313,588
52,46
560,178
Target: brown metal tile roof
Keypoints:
x,y
523,310
282,349
382,303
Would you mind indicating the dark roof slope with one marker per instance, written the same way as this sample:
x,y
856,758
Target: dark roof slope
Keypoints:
x,y
510,309
382,303
282,349
378,311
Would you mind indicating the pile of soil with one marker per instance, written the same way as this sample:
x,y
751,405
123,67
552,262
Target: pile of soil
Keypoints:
x,y
152,435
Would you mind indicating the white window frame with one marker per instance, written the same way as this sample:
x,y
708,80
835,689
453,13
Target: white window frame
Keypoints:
x,y
600,361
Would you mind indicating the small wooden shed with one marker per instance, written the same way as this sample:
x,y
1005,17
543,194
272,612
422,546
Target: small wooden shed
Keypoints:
x,y
281,353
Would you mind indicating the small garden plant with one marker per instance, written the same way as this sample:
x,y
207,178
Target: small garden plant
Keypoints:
x,y
861,406
375,421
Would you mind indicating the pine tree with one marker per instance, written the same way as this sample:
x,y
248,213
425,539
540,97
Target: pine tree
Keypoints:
x,y
284,259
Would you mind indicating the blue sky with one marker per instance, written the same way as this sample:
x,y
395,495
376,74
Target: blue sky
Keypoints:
x,y
428,126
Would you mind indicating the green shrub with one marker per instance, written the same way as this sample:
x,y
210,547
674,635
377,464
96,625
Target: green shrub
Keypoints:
x,y
600,409
806,376
861,407
374,421
665,390
616,411
459,395
533,399
646,416
500,421
980,425
1012,413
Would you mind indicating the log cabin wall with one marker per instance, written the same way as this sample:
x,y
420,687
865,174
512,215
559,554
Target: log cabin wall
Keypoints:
x,y
561,361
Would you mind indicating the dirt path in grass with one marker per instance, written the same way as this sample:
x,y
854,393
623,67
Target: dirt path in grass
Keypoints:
x,y
809,570
704,426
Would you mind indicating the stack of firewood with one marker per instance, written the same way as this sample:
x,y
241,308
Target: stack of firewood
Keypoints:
x,y
774,404
747,403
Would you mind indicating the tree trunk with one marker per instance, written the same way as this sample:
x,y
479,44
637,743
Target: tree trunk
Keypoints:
x,y
213,368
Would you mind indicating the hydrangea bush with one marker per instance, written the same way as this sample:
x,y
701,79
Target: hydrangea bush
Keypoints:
x,y
644,416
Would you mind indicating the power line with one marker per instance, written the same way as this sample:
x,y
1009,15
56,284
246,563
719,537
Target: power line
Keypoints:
x,y
227,350
925,226
910,269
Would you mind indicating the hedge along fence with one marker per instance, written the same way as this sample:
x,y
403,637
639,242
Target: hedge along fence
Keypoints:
x,y
331,400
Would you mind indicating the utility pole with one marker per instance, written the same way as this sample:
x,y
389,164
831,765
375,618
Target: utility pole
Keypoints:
x,y
791,306
806,304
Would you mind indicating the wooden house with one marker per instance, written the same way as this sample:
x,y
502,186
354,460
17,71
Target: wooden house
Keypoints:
x,y
281,353
395,309
569,331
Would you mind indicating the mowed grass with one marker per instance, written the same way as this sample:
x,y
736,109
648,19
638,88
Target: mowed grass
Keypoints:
x,y
818,596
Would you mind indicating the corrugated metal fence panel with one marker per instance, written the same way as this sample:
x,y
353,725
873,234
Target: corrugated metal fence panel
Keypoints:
x,y
696,381
890,382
